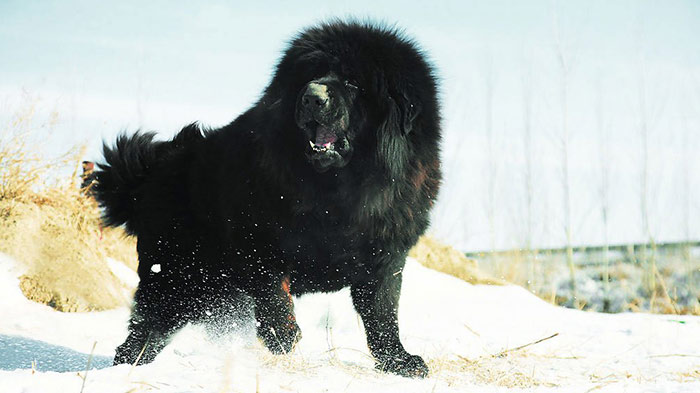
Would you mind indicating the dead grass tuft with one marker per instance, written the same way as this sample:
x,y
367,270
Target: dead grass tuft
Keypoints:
x,y
54,230
488,370
689,376
443,258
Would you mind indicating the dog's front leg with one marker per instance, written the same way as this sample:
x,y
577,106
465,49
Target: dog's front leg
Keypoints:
x,y
377,302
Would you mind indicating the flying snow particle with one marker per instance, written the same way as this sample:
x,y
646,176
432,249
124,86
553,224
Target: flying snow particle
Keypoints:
x,y
155,268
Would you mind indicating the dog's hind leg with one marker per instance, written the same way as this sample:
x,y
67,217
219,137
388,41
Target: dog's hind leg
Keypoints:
x,y
274,314
153,322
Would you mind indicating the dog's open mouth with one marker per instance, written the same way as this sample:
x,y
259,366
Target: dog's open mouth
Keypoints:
x,y
327,147
325,139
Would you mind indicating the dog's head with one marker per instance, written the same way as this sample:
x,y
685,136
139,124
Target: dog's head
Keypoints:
x,y
351,84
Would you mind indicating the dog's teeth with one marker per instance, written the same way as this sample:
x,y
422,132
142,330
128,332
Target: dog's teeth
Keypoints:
x,y
311,143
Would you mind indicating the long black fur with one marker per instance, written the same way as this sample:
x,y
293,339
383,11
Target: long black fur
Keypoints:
x,y
241,208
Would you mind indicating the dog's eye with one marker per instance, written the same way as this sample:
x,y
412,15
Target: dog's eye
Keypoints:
x,y
351,86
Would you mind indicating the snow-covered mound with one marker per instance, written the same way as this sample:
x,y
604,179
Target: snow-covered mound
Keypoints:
x,y
470,335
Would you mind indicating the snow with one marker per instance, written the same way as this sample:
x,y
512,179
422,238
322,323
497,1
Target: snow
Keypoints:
x,y
456,326
123,273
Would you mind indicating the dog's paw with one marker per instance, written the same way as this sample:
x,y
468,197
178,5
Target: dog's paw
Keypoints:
x,y
279,338
409,366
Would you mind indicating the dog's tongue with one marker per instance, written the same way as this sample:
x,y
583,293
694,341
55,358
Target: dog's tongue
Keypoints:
x,y
324,137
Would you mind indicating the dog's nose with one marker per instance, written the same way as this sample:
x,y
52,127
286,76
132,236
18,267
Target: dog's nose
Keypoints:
x,y
315,97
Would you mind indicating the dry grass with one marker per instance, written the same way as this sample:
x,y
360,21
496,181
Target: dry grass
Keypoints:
x,y
689,376
443,258
506,371
54,230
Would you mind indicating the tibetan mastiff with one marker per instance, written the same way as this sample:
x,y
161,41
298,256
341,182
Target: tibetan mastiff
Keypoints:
x,y
326,182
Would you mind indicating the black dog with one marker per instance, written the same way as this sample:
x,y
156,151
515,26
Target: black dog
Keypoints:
x,y
325,183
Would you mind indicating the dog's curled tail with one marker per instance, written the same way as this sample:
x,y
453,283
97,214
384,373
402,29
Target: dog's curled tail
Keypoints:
x,y
120,178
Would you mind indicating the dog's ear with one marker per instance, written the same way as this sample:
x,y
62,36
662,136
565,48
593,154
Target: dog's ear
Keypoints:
x,y
401,113
399,120
409,109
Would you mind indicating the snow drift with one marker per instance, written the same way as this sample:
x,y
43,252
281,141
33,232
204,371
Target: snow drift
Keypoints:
x,y
470,334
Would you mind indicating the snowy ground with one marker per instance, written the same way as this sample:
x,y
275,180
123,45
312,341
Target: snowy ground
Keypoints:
x,y
459,328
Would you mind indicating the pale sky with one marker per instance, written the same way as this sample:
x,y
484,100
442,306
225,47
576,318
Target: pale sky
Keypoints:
x,y
104,67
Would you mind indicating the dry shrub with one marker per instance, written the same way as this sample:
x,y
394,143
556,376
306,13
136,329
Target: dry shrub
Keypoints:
x,y
443,258
59,242
54,230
